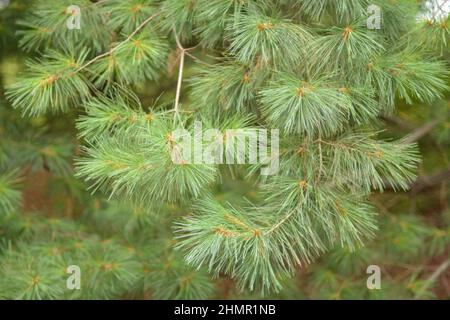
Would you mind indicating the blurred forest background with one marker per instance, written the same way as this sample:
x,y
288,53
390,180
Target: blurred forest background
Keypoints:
x,y
48,218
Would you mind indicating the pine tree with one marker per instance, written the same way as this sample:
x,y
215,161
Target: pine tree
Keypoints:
x,y
140,225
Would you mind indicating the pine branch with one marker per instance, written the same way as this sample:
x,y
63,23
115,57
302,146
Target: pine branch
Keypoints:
x,y
323,87
118,46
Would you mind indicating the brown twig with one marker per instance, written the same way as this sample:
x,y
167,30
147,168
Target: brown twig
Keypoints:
x,y
180,71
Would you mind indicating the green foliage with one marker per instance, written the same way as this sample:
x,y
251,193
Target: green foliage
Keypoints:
x,y
346,48
408,76
9,195
54,88
267,39
141,165
342,10
138,60
311,69
304,107
222,13
230,86
127,15
45,25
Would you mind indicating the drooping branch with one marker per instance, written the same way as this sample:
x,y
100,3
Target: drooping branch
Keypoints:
x,y
420,132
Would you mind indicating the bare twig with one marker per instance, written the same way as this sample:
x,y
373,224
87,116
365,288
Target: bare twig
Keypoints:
x,y
180,71
184,51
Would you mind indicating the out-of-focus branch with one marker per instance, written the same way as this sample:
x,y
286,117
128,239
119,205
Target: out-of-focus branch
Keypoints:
x,y
442,268
425,182
397,121
420,132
